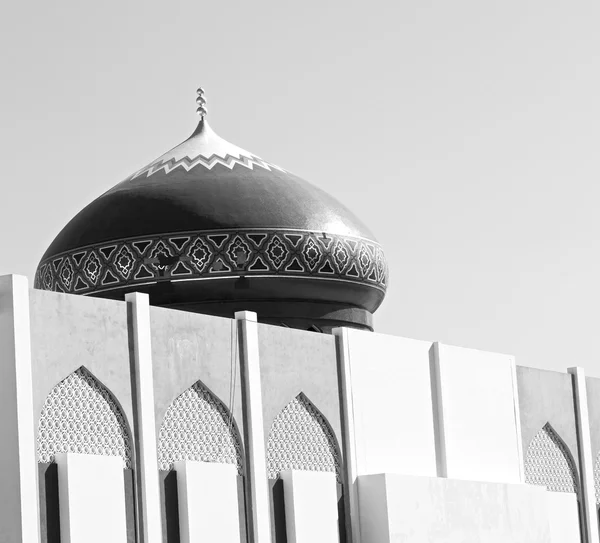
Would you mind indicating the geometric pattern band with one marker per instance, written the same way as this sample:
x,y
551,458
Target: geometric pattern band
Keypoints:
x,y
549,463
216,253
301,439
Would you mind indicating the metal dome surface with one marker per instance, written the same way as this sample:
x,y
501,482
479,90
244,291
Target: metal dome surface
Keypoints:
x,y
208,213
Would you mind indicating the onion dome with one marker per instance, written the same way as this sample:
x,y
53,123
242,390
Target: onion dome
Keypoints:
x,y
212,228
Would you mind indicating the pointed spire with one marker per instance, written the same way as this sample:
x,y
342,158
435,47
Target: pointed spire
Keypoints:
x,y
201,101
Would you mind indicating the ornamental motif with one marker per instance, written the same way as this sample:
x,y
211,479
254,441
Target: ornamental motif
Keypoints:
x,y
340,254
311,253
300,438
160,256
197,426
277,251
238,251
549,463
196,255
199,253
81,416
124,261
92,267
66,273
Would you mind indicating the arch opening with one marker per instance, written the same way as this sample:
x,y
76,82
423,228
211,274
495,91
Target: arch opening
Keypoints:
x,y
80,415
301,438
548,462
197,426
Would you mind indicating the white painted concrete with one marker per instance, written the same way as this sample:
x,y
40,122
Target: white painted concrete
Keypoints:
x,y
311,512
391,392
478,430
396,508
586,458
91,493
254,438
208,502
146,449
563,517
19,512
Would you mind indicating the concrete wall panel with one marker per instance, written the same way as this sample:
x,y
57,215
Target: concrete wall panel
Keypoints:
x,y
563,517
68,332
294,361
91,498
208,502
190,347
436,510
311,511
547,396
475,399
391,393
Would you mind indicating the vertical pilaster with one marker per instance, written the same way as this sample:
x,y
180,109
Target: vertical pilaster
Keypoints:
x,y
257,490
19,512
517,411
438,410
349,438
148,490
588,497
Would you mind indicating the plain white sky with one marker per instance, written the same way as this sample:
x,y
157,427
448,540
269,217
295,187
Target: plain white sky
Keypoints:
x,y
464,133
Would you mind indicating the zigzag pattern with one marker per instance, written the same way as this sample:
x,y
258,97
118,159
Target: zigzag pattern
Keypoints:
x,y
229,161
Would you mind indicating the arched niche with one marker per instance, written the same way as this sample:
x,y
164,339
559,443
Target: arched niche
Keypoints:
x,y
80,415
549,462
301,438
198,426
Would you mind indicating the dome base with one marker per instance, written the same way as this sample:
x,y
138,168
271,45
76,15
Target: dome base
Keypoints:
x,y
299,315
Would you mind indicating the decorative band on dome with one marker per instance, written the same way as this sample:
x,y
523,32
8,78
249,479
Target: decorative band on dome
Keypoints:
x,y
214,254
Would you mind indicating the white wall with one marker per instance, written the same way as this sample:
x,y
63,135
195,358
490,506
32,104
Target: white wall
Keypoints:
x,y
563,516
208,502
396,508
91,493
391,398
311,513
475,400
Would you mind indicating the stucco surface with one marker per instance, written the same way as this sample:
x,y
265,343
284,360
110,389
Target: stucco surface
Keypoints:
x,y
190,347
294,361
68,332
547,396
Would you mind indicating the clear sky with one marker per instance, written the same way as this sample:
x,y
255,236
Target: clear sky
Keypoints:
x,y
464,133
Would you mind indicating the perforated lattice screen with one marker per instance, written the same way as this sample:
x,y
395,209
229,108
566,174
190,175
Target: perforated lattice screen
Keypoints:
x,y
197,426
548,462
300,438
597,478
80,416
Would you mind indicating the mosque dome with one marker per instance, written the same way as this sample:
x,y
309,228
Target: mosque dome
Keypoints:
x,y
212,228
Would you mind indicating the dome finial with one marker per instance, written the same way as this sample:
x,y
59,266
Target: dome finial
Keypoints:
x,y
201,101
